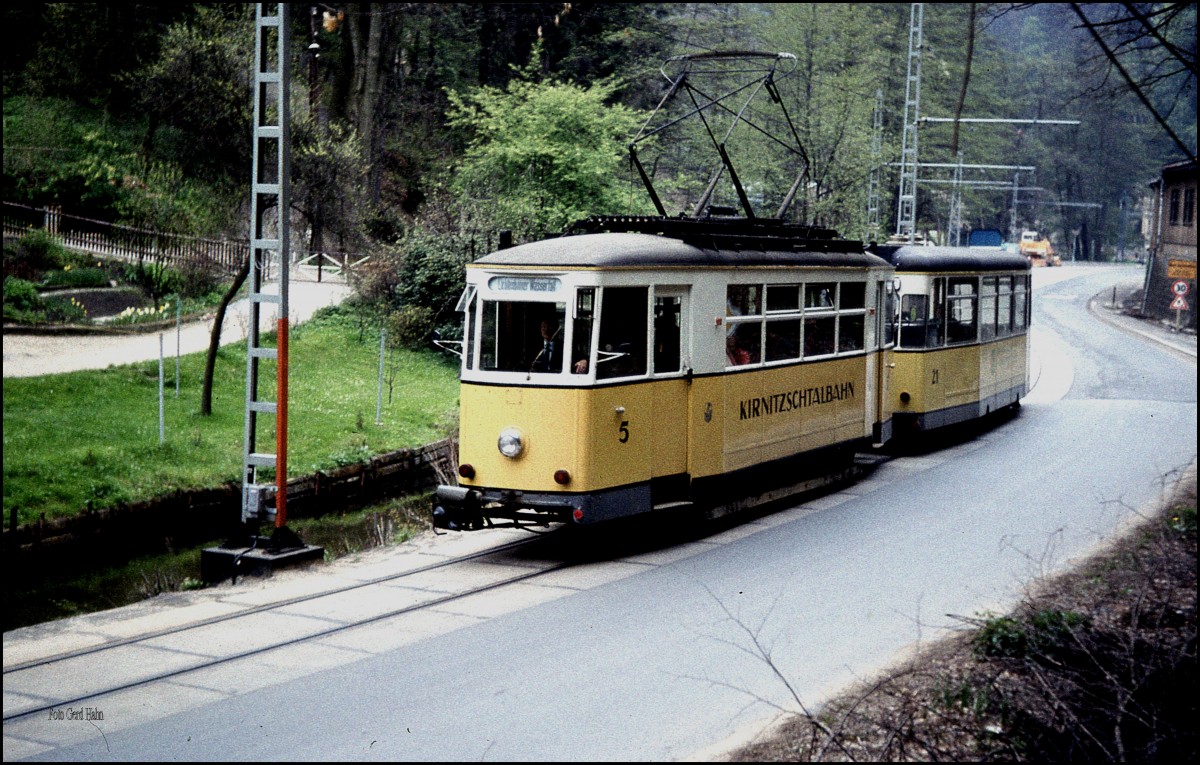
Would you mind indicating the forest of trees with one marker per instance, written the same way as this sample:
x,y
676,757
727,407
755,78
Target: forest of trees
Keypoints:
x,y
422,129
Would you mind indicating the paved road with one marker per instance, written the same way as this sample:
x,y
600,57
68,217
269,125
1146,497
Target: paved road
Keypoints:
x,y
28,355
646,655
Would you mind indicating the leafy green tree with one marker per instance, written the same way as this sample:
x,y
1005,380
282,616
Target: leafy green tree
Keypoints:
x,y
198,89
329,177
541,154
831,95
80,51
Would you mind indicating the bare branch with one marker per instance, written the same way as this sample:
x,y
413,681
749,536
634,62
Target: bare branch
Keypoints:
x,y
1137,91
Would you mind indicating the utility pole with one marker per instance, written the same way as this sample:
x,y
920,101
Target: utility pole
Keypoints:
x,y
954,223
906,213
270,203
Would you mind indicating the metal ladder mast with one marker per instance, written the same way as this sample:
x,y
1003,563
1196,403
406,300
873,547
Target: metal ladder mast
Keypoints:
x,y
954,222
906,215
876,171
271,194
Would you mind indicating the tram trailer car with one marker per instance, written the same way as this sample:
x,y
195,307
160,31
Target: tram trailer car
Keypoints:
x,y
621,372
962,351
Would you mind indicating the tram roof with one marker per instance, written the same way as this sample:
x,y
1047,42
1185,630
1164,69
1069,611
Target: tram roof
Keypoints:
x,y
935,259
636,250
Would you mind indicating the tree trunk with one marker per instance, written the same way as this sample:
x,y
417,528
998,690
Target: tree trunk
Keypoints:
x,y
214,342
966,80
372,51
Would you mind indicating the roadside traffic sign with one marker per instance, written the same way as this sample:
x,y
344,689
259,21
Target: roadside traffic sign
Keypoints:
x,y
1179,304
1181,287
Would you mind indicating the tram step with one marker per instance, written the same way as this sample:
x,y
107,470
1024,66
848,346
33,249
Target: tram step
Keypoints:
x,y
672,506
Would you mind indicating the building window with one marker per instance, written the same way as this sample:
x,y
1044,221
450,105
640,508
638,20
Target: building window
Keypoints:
x,y
1189,206
1173,213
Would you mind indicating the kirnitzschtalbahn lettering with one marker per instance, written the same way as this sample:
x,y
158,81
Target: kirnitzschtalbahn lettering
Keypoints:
x,y
781,403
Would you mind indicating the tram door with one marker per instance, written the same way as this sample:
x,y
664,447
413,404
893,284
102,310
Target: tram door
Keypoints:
x,y
670,359
885,338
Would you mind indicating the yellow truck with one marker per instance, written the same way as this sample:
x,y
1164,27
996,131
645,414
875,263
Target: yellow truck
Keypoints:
x,y
1038,249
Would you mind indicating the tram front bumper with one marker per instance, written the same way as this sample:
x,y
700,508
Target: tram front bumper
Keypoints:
x,y
463,508
456,508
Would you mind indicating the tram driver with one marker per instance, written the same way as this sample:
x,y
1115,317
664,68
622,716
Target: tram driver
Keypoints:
x,y
549,355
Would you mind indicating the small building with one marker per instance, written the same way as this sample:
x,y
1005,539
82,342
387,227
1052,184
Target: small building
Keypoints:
x,y
1172,240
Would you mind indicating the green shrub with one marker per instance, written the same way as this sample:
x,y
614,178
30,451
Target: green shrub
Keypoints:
x,y
198,279
42,250
432,276
22,303
1002,636
34,254
1043,633
1183,520
410,327
65,310
154,278
77,277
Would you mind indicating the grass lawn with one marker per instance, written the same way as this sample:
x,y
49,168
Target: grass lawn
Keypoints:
x,y
93,436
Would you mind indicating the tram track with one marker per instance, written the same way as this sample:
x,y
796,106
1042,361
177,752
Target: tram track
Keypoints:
x,y
31,685
93,654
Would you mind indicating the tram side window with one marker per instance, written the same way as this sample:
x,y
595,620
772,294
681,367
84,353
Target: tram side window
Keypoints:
x,y
667,333
889,315
853,295
961,308
820,336
936,336
623,325
851,333
783,298
581,343
783,340
914,316
743,339
783,334
820,295
521,336
743,343
987,308
466,306
743,300
1019,298
1004,303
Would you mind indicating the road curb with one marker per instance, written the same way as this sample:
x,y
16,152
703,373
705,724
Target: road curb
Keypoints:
x,y
1124,324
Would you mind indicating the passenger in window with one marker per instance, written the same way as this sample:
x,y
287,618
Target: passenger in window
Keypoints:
x,y
734,353
549,356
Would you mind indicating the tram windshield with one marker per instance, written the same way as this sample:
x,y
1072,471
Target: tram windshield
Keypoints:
x,y
522,336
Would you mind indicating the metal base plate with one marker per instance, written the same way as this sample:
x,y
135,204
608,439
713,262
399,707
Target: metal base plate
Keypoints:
x,y
218,564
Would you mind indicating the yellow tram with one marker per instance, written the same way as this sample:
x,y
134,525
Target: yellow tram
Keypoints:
x,y
654,363
962,349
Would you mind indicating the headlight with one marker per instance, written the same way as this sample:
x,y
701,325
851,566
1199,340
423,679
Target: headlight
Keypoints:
x,y
510,444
